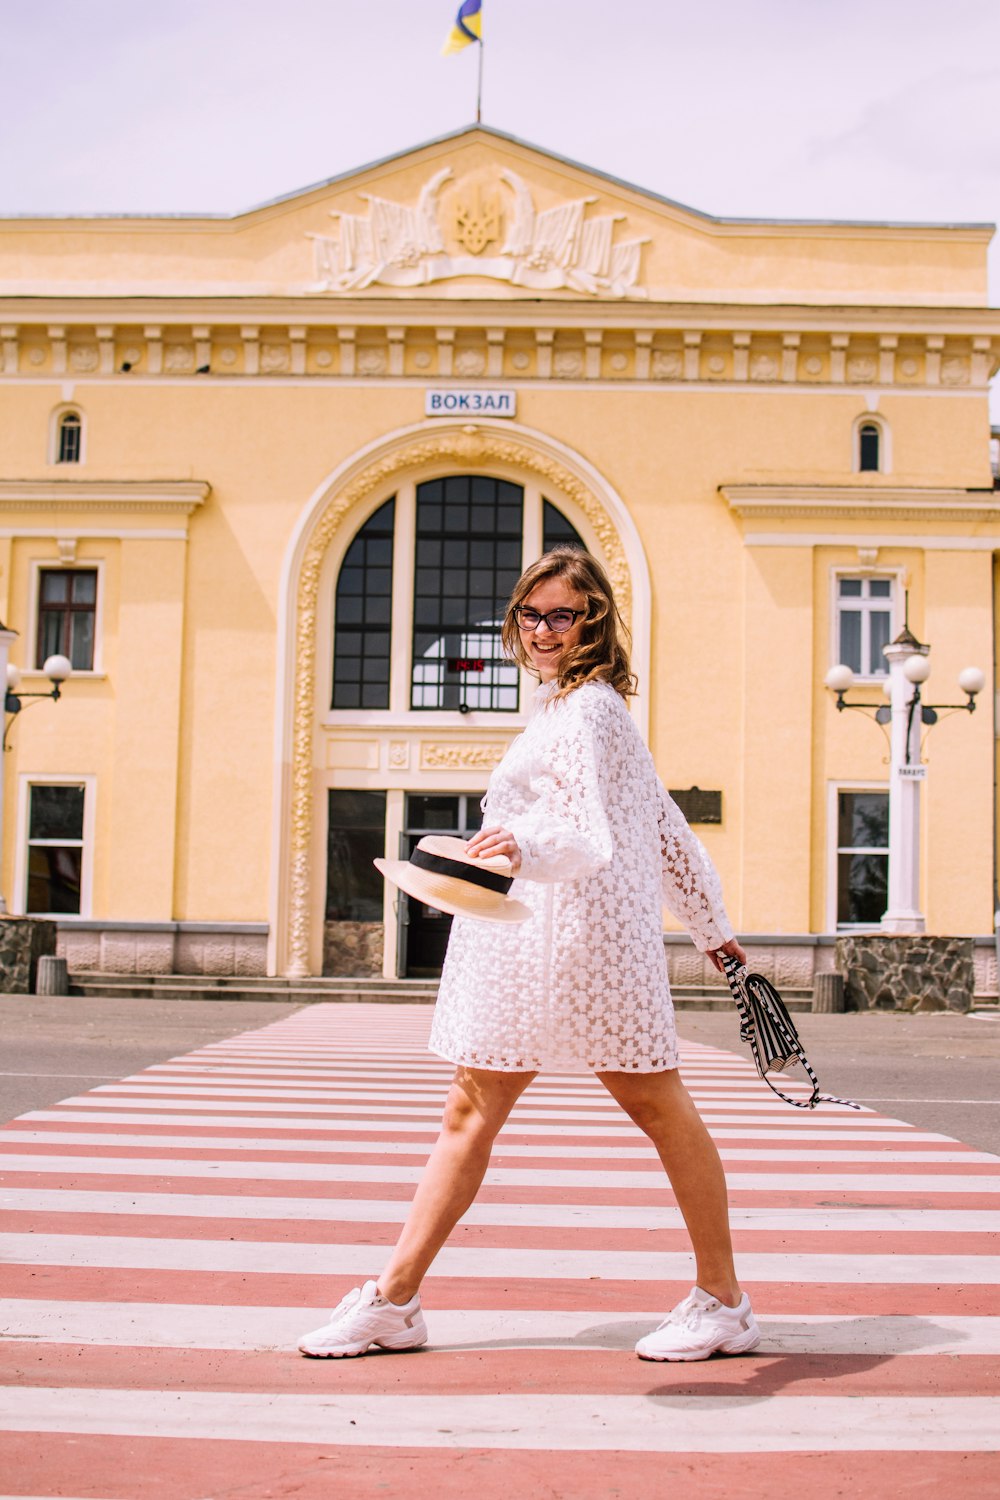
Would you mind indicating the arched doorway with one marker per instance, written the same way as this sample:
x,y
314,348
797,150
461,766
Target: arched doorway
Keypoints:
x,y
397,704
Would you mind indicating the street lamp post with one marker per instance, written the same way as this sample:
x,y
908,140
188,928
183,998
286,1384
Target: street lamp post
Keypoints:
x,y
909,666
56,668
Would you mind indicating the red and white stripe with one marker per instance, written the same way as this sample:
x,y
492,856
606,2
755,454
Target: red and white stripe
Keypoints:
x,y
167,1237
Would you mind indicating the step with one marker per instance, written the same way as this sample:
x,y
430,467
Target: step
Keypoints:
x,y
342,990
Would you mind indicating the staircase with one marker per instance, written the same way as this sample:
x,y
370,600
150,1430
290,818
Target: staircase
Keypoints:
x,y
343,991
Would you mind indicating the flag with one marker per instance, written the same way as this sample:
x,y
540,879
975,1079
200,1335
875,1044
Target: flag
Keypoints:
x,y
468,27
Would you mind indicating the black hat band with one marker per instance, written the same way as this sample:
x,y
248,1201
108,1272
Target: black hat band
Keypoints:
x,y
488,879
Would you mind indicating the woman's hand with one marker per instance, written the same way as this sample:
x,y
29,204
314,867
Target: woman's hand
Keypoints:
x,y
496,840
732,947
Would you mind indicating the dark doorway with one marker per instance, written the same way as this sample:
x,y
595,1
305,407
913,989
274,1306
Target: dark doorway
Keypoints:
x,y
423,932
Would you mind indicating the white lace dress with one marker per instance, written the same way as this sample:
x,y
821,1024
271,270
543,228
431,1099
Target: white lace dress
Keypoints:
x,y
582,985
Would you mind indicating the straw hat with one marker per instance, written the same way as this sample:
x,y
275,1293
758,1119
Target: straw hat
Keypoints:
x,y
440,873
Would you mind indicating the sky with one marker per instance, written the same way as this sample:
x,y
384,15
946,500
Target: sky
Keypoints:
x,y
849,109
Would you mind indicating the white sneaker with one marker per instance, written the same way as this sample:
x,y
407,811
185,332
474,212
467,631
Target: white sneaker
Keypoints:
x,y
365,1318
700,1326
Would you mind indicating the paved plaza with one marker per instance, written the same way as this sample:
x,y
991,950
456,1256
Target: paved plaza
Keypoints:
x,y
169,1235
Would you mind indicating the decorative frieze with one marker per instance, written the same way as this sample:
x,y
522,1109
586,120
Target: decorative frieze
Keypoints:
x,y
415,351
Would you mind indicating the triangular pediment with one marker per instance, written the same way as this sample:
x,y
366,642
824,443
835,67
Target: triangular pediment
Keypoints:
x,y
480,215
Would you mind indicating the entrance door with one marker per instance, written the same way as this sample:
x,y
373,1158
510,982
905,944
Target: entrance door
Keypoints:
x,y
423,932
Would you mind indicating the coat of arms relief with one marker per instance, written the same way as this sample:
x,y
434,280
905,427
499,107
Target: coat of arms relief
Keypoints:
x,y
404,245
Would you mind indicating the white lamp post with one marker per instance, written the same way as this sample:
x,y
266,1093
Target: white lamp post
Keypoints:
x,y
908,668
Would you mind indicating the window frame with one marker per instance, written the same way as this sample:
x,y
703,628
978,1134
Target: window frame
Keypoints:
x,y
834,788
25,781
841,571
872,419
66,409
52,565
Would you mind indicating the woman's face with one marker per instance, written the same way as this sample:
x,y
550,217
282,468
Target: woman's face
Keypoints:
x,y
545,647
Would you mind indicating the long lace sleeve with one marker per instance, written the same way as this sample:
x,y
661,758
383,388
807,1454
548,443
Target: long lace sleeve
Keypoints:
x,y
565,833
691,888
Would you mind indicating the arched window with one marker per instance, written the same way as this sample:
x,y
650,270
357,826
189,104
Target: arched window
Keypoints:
x,y
869,448
364,616
467,535
69,438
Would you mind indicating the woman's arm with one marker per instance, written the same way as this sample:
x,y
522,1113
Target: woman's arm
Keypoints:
x,y
565,833
691,889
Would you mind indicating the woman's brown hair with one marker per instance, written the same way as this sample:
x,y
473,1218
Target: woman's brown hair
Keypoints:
x,y
602,654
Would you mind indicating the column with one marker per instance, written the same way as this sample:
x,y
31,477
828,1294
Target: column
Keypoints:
x,y
905,775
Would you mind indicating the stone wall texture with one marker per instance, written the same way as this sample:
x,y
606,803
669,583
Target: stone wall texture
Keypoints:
x,y
23,941
910,971
353,949
148,951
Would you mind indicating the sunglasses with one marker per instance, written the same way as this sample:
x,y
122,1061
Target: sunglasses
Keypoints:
x,y
559,620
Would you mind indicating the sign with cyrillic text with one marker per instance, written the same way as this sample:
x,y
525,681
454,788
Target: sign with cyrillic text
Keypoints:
x,y
477,402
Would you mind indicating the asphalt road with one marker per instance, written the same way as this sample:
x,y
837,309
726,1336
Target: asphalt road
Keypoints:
x,y
940,1072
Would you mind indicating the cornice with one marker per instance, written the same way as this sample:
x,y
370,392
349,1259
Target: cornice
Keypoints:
x,y
177,496
274,309
813,502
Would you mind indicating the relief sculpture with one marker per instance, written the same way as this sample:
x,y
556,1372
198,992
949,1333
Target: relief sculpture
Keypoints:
x,y
396,244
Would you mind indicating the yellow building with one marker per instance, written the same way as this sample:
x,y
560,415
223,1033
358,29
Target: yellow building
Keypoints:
x,y
268,478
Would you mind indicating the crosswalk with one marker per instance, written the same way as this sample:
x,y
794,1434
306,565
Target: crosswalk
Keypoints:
x,y
166,1238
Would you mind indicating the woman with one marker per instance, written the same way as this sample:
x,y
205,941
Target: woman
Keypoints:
x,y
599,847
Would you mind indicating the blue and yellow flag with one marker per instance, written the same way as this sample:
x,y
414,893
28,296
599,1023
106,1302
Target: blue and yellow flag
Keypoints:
x,y
468,27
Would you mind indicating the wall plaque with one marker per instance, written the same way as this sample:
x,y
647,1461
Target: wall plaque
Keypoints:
x,y
698,806
476,401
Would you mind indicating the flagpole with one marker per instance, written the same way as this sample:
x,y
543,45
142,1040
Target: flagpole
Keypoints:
x,y
479,88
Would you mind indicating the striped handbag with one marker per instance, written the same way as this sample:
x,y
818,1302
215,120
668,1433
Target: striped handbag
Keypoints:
x,y
770,1030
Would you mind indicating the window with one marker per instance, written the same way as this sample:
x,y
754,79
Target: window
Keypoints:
x,y
55,849
355,836
557,531
864,624
872,445
468,559
69,447
67,611
364,615
862,858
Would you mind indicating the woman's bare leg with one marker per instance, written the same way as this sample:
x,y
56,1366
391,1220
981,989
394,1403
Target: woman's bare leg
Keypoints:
x,y
477,1106
662,1107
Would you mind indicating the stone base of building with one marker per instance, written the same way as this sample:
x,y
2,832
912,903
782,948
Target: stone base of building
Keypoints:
x,y
23,941
238,948
353,949
907,971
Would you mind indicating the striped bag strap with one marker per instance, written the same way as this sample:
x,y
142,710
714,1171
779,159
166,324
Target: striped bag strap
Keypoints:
x,y
774,1042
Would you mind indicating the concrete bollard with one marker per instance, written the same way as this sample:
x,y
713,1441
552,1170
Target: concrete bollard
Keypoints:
x,y
52,977
828,993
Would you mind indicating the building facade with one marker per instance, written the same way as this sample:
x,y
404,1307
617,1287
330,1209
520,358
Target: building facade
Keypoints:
x,y
267,480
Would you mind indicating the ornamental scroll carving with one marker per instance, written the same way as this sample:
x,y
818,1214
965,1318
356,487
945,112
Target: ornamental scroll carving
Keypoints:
x,y
470,445
458,757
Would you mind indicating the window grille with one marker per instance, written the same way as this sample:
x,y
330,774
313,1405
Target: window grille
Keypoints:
x,y
55,849
468,558
864,624
363,620
67,616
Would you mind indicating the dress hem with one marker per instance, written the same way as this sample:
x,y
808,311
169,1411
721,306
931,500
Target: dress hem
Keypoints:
x,y
557,1065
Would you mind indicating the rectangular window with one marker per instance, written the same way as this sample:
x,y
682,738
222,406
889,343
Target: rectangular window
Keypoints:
x,y
864,624
67,616
55,849
862,858
355,836
468,560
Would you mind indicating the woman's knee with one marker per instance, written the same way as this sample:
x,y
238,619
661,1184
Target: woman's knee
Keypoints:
x,y
478,1108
